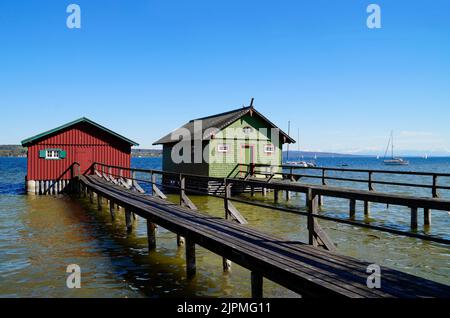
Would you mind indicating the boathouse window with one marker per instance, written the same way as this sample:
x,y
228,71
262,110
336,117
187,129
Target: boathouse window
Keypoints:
x,y
269,148
52,154
223,148
247,129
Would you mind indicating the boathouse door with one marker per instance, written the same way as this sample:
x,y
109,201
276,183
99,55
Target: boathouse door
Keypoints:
x,y
84,158
249,158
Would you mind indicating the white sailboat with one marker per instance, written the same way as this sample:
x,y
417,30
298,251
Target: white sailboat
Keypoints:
x,y
393,160
302,163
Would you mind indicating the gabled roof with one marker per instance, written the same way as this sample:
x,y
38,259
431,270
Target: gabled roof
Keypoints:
x,y
30,140
219,122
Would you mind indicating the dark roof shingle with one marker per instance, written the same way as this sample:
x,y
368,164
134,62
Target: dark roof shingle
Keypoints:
x,y
215,123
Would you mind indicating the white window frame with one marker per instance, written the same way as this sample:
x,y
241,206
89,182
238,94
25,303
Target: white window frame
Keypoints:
x,y
223,148
52,154
272,148
249,128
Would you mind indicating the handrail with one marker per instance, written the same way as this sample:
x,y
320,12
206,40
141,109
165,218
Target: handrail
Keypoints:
x,y
370,181
316,188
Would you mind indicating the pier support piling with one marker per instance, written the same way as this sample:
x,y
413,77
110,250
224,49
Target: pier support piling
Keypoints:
x,y
366,208
99,202
128,221
413,218
151,235
190,258
111,210
320,200
226,265
352,211
288,195
426,216
257,285
275,195
180,240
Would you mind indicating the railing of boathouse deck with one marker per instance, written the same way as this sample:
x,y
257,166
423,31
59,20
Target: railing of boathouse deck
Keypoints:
x,y
230,181
290,172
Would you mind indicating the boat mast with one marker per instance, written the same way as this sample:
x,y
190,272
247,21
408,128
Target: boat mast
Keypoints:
x,y
392,144
289,133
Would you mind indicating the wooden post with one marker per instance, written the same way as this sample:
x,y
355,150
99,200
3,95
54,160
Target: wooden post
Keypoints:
x,y
151,235
190,258
288,195
264,191
91,196
426,216
434,189
320,200
413,218
128,221
324,182
111,209
275,195
226,264
366,208
252,191
370,181
312,209
182,185
153,179
352,208
180,239
257,285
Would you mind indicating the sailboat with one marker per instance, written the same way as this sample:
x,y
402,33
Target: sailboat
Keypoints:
x,y
393,160
302,163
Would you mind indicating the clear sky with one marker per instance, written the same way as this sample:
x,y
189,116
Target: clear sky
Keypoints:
x,y
144,67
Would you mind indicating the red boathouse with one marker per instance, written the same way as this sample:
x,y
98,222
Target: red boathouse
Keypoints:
x,y
52,154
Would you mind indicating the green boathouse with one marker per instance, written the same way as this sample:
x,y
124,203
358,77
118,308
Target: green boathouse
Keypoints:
x,y
228,144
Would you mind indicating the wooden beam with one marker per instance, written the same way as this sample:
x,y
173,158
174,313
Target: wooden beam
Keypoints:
x,y
257,285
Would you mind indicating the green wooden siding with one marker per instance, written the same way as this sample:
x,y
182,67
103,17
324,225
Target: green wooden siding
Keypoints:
x,y
222,164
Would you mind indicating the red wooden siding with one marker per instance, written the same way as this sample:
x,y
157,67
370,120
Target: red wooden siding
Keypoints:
x,y
83,137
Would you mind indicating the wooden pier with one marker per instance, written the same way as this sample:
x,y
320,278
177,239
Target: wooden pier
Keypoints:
x,y
306,269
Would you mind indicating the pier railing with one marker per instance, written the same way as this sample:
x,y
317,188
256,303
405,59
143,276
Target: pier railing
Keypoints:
x,y
299,172
313,198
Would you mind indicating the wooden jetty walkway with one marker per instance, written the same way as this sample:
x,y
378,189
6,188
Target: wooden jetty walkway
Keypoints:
x,y
306,269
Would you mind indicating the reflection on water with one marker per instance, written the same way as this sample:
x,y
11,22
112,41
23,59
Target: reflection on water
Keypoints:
x,y
41,235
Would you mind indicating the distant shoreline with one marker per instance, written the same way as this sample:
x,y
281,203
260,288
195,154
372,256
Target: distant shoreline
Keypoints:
x,y
17,151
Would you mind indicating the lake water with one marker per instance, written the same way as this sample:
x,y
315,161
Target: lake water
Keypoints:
x,y
41,235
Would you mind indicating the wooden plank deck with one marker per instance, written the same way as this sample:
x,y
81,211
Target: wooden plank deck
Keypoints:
x,y
304,269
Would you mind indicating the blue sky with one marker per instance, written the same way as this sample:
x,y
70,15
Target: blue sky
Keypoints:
x,y
143,68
